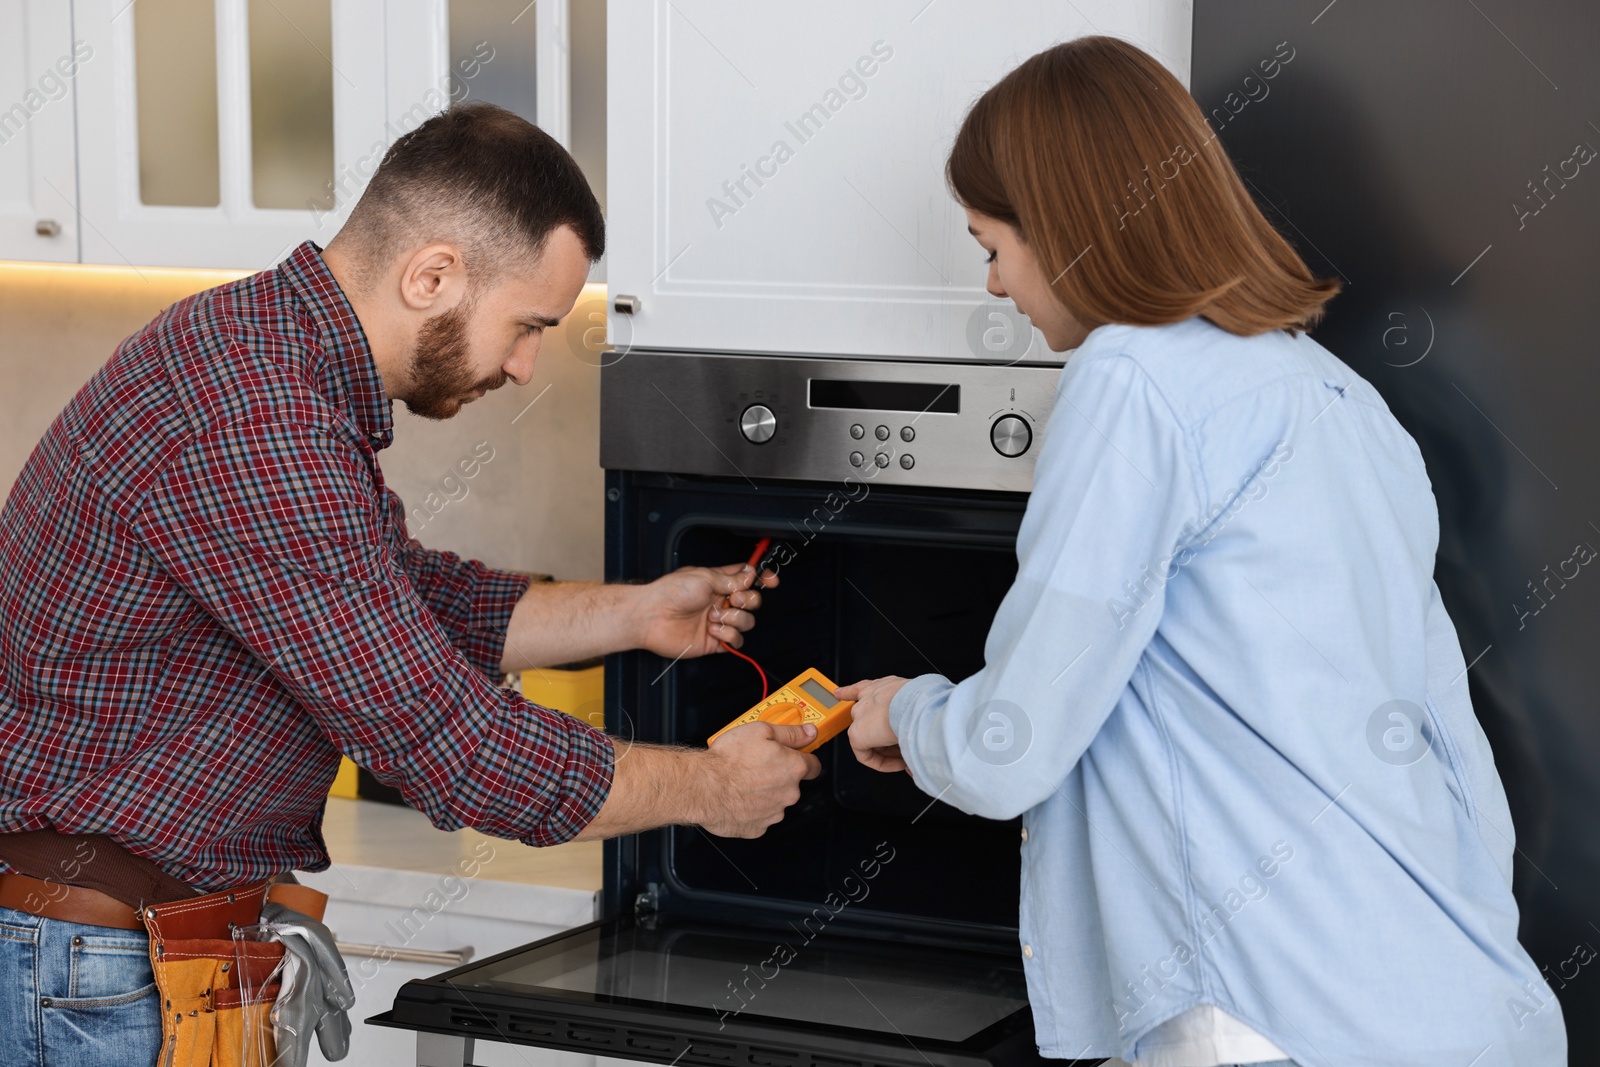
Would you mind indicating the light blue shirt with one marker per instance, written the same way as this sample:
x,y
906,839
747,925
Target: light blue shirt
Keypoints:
x,y
1232,711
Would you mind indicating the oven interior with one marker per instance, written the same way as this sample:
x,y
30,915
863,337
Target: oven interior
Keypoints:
x,y
863,593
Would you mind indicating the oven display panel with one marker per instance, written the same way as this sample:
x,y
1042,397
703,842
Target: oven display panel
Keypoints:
x,y
919,397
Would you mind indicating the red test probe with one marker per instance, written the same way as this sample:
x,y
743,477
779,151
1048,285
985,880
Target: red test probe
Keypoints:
x,y
755,561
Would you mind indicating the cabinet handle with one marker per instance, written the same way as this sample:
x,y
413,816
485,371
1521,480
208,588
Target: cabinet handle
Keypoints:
x,y
47,228
626,305
454,957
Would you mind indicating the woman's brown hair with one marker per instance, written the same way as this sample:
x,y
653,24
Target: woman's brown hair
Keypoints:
x,y
1103,162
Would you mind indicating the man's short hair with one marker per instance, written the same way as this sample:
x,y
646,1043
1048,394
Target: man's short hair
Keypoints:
x,y
481,178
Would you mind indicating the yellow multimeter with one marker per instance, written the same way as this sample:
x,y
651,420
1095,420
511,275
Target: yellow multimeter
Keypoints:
x,y
807,699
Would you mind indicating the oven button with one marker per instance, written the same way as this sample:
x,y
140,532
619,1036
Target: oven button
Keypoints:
x,y
881,433
857,459
881,459
758,424
907,434
858,431
1010,435
907,462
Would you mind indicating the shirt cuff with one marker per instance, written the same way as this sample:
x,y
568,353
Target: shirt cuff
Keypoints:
x,y
483,640
907,721
581,766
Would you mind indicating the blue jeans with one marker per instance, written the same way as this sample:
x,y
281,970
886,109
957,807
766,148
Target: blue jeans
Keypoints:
x,y
74,995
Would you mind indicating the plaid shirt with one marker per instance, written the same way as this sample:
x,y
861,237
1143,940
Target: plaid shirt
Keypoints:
x,y
207,594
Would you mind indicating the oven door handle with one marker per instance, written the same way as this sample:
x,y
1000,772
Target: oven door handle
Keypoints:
x,y
453,957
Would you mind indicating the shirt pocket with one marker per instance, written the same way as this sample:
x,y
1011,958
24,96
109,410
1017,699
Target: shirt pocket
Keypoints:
x,y
1449,757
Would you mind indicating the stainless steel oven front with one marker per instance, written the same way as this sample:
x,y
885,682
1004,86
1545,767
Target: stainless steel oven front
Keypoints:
x,y
874,925
946,426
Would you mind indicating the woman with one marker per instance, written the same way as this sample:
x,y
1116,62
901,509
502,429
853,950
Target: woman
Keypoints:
x,y
1260,822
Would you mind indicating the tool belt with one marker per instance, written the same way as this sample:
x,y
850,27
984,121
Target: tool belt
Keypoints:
x,y
216,984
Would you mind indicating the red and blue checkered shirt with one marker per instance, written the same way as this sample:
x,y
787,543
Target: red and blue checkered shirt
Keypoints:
x,y
207,594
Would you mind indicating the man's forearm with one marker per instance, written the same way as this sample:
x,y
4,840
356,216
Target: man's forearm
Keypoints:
x,y
736,788
566,622
651,786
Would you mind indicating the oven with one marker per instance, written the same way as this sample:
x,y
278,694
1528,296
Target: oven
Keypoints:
x,y
874,925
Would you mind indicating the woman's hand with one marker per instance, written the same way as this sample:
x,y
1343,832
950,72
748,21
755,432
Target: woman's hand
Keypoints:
x,y
870,736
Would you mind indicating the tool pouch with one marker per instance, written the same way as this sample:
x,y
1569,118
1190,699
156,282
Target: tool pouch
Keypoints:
x,y
217,982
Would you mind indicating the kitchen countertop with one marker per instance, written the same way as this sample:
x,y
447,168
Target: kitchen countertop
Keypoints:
x,y
368,833
388,854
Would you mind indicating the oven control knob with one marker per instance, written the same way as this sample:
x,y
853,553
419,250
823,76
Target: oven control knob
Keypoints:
x,y
1010,435
758,424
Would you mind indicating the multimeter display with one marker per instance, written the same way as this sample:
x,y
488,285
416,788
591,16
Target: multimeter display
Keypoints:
x,y
818,692
807,699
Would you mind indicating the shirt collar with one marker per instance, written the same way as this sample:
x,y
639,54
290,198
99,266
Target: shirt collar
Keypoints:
x,y
351,368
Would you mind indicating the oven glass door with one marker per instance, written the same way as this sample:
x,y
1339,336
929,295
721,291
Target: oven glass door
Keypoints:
x,y
672,990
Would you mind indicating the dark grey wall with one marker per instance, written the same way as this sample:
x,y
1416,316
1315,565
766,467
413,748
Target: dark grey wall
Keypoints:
x,y
1395,150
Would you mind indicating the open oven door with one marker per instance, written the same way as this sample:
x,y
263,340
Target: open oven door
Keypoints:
x,y
667,989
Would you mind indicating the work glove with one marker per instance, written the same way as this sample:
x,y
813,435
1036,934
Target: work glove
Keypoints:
x,y
316,992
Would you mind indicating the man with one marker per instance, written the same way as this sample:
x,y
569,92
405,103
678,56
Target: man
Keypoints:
x,y
207,594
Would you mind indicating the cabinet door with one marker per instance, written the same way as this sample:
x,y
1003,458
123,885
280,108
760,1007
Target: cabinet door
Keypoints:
x,y
221,133
39,65
371,930
776,179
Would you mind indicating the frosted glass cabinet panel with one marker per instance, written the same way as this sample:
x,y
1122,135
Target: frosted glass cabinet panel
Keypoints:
x,y
776,178
544,60
494,47
291,103
176,102
39,66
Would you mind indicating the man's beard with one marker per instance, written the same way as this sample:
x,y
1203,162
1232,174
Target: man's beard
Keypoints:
x,y
441,369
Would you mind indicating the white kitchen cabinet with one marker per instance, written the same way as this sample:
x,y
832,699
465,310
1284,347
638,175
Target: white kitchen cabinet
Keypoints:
x,y
39,64
221,133
775,179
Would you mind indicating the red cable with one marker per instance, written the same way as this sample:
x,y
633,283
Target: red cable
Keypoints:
x,y
755,561
765,688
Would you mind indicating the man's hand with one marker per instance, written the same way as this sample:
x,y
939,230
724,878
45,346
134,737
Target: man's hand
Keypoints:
x,y
758,770
691,611
736,788
871,738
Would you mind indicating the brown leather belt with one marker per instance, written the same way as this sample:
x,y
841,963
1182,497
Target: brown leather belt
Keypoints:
x,y
204,917
66,903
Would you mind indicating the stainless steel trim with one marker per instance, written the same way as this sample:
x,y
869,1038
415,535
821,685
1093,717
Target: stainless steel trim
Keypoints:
x,y
444,1050
689,413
